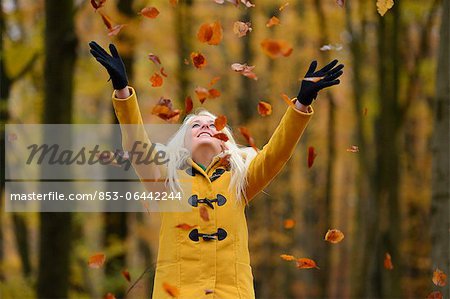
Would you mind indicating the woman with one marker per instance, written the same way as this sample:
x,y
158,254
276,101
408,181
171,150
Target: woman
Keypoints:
x,y
211,260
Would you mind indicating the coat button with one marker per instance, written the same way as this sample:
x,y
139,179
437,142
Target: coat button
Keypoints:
x,y
221,234
193,200
217,173
193,235
221,200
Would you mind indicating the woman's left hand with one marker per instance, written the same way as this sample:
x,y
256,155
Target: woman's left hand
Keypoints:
x,y
314,81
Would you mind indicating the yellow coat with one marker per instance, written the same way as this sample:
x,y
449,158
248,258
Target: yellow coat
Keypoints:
x,y
214,268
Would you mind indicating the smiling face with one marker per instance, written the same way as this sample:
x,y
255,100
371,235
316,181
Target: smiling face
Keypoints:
x,y
202,129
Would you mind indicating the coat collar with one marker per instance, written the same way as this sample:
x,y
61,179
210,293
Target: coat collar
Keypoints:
x,y
217,162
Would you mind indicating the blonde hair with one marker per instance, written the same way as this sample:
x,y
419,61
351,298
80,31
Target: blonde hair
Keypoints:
x,y
178,154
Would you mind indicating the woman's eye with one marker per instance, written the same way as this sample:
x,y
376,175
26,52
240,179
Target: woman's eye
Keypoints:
x,y
212,125
195,125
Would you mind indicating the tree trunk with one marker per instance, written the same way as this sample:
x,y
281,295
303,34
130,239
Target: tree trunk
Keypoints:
x,y
55,229
440,176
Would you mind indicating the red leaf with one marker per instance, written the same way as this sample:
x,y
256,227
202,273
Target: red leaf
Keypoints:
x,y
96,261
109,296
334,236
221,136
198,60
435,295
311,156
264,108
115,30
388,262
96,4
154,58
305,263
289,223
287,257
220,122
149,12
156,80
276,48
214,81
164,109
172,290
188,105
439,278
246,133
185,226
210,33
204,213
163,72
287,100
245,70
126,275
106,21
273,21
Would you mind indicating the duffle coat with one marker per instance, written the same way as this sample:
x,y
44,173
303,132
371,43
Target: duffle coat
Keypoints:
x,y
212,260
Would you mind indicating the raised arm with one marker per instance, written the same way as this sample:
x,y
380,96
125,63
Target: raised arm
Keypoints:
x,y
134,137
274,155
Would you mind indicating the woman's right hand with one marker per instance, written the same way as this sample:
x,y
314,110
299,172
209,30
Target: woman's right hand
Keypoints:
x,y
113,64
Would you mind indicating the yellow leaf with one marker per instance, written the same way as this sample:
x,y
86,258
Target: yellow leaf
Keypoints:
x,y
384,5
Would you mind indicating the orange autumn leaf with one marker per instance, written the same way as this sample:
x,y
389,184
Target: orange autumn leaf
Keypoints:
x,y
198,60
275,48
289,223
106,21
164,109
149,12
221,136
384,5
287,100
313,79
213,93
185,226
113,30
241,28
171,290
245,70
96,261
305,263
246,133
282,7
204,213
214,81
353,149
96,4
126,275
435,295
220,122
287,257
311,156
439,278
273,21
334,236
109,296
247,3
156,80
388,262
173,2
210,33
163,72
188,105
264,108
154,58
203,94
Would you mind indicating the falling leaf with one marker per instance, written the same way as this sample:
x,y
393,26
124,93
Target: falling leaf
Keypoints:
x,y
341,3
109,296
282,7
435,295
185,226
305,263
203,94
241,28
164,109
287,100
162,71
154,58
334,236
220,122
156,80
273,21
149,12
113,30
221,136
388,262
213,93
287,257
188,105
126,275
264,108
208,291
245,70
96,4
384,5
225,161
198,60
171,290
173,2
312,79
204,213
247,3
246,133
210,33
439,278
275,48
289,223
311,156
214,81
96,261
336,47
353,149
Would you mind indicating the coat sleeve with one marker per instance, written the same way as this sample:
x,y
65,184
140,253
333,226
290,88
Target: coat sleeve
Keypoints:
x,y
274,155
134,136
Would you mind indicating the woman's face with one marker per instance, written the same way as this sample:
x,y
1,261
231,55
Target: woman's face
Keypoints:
x,y
202,129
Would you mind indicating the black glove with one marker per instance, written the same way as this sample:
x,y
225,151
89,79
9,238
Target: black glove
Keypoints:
x,y
309,89
113,64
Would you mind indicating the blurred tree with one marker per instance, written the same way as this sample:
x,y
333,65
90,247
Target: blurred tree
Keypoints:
x,y
56,228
